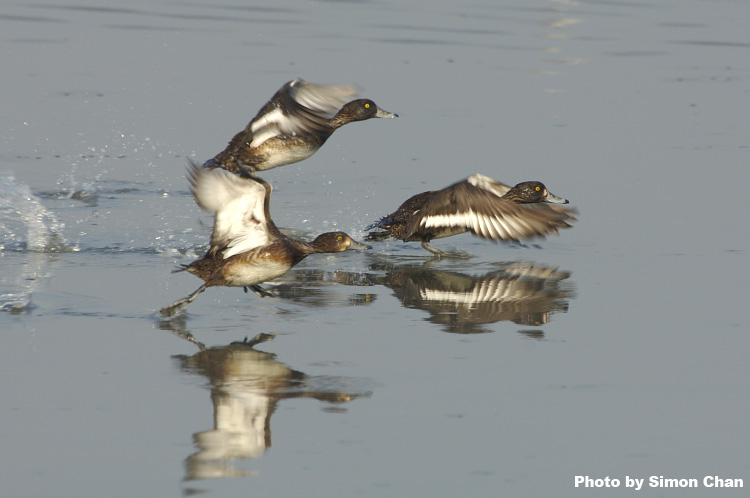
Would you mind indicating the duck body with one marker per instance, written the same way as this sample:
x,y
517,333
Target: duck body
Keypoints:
x,y
480,205
268,262
246,247
293,125
251,268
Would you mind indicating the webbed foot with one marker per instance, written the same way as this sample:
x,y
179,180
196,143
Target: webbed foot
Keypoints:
x,y
442,254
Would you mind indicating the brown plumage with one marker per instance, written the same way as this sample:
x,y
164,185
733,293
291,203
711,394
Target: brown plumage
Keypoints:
x,y
480,205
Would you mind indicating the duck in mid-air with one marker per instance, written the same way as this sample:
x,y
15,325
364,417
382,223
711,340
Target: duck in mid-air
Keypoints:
x,y
293,125
480,205
246,246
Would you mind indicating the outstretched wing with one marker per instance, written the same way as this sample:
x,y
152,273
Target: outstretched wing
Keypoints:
x,y
299,107
475,204
241,220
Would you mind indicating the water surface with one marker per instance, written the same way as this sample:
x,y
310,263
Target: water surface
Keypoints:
x,y
618,348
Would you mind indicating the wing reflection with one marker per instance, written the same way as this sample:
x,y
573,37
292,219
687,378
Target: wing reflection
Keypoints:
x,y
522,292
246,386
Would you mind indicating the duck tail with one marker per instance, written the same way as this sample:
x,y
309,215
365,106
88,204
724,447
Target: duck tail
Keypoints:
x,y
375,236
385,223
180,268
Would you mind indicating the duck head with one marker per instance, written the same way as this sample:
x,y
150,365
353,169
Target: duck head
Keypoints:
x,y
337,242
532,192
361,109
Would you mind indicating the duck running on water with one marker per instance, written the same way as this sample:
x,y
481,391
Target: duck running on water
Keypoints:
x,y
246,246
480,205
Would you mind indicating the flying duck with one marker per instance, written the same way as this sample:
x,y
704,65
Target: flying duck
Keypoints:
x,y
293,125
246,246
480,205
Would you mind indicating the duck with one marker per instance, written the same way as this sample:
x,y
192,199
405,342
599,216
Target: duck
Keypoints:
x,y
480,205
293,125
246,247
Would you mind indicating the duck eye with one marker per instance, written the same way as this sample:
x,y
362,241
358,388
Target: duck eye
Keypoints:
x,y
367,105
537,188
339,238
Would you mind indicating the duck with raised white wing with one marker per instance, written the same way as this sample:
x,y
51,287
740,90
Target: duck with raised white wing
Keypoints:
x,y
246,248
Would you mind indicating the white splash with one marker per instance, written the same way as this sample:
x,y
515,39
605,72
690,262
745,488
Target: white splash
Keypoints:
x,y
25,224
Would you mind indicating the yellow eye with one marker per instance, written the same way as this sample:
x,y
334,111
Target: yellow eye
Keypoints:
x,y
537,188
367,106
339,238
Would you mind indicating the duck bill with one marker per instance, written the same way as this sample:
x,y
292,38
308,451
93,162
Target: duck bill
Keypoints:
x,y
381,113
358,246
552,198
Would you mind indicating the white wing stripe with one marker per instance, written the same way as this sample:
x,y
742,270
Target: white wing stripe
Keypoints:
x,y
268,119
488,226
498,226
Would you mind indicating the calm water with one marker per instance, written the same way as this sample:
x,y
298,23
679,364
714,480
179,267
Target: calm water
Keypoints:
x,y
618,349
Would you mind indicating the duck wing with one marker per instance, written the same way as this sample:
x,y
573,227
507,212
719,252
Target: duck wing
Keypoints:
x,y
475,204
240,206
487,183
299,107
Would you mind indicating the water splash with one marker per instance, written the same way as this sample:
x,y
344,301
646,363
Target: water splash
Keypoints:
x,y
25,224
15,302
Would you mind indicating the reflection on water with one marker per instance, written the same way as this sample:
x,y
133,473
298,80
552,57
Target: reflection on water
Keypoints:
x,y
320,288
459,301
20,278
521,292
246,386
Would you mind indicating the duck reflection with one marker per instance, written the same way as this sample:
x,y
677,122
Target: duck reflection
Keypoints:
x,y
522,292
246,386
322,288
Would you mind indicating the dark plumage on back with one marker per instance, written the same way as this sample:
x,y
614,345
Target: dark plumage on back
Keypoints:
x,y
480,205
293,125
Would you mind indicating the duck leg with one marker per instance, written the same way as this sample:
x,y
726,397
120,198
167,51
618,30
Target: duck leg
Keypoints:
x,y
260,291
442,254
172,309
